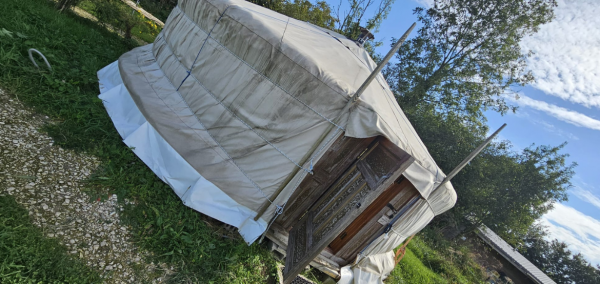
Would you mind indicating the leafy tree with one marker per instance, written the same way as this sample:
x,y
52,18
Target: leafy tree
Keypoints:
x,y
466,55
502,188
158,8
556,260
349,23
464,59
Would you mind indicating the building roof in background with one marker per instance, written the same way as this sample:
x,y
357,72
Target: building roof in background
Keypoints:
x,y
513,256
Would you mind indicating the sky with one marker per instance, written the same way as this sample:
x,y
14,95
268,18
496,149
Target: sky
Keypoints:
x,y
562,105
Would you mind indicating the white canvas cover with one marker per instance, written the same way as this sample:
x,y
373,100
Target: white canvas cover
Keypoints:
x,y
194,190
231,97
374,269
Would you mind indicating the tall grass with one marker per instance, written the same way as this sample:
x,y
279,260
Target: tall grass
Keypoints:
x,y
199,250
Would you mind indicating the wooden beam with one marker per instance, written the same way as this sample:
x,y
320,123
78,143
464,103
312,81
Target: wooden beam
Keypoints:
x,y
143,12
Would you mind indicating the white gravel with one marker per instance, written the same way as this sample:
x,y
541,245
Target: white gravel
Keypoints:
x,y
47,180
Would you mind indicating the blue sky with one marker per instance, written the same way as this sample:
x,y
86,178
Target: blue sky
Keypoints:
x,y
562,105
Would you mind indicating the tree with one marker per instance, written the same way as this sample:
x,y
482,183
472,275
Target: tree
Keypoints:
x,y
466,56
349,22
556,260
505,189
318,14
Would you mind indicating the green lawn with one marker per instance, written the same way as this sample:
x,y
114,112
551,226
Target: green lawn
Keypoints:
x,y
423,264
412,270
26,256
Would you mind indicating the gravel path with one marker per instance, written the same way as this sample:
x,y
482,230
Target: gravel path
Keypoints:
x,y
47,180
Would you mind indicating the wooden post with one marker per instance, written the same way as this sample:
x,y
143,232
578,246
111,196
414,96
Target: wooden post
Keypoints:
x,y
349,104
382,64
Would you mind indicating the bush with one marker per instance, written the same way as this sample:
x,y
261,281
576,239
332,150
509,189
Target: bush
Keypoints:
x,y
114,13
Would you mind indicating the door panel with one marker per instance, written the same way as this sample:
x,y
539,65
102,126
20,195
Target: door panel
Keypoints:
x,y
353,191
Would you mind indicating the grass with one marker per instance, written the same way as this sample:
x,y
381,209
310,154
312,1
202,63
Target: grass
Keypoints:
x,y
199,250
429,260
412,270
26,256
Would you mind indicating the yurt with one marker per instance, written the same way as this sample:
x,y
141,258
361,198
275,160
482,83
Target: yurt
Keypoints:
x,y
251,117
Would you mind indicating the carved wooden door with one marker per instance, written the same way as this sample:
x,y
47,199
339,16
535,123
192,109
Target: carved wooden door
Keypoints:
x,y
395,200
374,171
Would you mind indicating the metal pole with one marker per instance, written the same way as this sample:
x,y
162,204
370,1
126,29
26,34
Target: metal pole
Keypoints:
x,y
352,100
383,62
447,179
470,157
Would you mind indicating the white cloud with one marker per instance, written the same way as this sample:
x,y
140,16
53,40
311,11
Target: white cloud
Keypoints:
x,y
567,53
586,196
581,232
561,113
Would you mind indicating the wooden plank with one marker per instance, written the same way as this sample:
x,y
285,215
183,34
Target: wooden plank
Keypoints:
x,y
290,253
144,12
370,177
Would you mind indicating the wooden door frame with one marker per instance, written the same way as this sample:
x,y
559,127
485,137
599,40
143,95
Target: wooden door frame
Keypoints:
x,y
338,158
301,235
